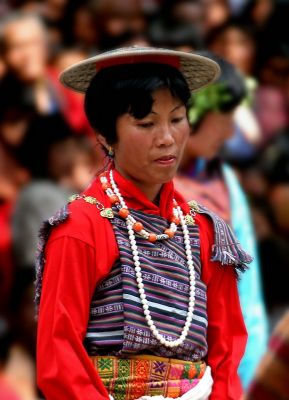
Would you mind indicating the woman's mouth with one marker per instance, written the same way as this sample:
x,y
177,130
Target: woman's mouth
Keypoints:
x,y
166,160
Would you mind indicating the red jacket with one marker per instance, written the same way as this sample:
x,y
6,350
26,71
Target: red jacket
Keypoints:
x,y
79,254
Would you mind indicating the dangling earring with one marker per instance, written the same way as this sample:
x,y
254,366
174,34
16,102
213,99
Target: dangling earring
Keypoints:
x,y
110,152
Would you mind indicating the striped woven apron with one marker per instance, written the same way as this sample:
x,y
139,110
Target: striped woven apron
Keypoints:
x,y
117,326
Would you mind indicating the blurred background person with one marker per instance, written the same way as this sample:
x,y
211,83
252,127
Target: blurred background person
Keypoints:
x,y
271,378
17,344
206,179
175,35
235,42
28,75
274,227
216,13
271,112
179,25
14,120
63,164
7,390
25,53
119,22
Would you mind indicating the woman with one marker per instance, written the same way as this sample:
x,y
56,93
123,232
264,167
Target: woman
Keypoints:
x,y
131,304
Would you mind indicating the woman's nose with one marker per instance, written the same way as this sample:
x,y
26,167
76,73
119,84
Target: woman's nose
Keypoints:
x,y
165,136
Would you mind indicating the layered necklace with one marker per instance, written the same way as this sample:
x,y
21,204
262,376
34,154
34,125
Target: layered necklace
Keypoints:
x,y
134,227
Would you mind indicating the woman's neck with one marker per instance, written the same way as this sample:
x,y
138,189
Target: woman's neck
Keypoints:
x,y
151,191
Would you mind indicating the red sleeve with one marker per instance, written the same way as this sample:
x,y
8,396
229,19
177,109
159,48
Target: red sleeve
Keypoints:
x,y
227,334
64,370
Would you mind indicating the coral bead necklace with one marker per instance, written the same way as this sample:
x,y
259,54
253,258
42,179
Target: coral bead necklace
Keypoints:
x,y
133,226
117,200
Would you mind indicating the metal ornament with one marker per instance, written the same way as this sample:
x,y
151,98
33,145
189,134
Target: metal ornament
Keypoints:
x,y
107,213
189,220
73,197
110,152
194,206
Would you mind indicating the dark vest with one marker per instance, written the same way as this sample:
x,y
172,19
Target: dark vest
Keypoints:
x,y
117,325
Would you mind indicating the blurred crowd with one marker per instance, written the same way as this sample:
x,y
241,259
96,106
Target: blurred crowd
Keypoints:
x,y
48,151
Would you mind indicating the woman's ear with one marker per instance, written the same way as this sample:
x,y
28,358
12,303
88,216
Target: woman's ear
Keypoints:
x,y
107,148
102,141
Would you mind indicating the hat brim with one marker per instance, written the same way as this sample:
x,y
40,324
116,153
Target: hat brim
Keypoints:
x,y
197,70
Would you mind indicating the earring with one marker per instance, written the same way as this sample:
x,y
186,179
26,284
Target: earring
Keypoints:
x,y
110,151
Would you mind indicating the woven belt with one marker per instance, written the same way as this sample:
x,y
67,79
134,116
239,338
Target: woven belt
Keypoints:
x,y
147,375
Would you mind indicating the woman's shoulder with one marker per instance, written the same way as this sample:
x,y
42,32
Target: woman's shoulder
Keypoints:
x,y
225,246
81,217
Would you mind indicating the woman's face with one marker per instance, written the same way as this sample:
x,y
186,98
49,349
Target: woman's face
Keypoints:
x,y
149,150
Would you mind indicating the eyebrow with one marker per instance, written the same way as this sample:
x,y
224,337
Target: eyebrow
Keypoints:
x,y
174,109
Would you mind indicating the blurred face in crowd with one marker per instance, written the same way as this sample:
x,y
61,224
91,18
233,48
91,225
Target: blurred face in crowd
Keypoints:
x,y
262,11
12,130
72,163
189,12
83,28
270,109
211,134
55,8
275,72
216,13
254,182
25,49
237,47
119,18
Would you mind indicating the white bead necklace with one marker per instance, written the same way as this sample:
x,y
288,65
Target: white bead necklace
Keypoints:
x,y
138,272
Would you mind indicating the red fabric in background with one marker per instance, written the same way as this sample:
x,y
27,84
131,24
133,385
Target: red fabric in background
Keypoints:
x,y
6,259
71,105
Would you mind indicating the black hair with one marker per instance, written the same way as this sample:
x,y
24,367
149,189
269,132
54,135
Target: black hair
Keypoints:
x,y
6,341
43,132
246,28
122,89
173,34
232,81
15,100
274,160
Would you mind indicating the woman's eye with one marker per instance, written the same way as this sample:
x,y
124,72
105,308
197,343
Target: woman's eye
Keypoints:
x,y
177,119
145,124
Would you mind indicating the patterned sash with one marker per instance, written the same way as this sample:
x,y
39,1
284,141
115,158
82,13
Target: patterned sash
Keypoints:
x,y
131,378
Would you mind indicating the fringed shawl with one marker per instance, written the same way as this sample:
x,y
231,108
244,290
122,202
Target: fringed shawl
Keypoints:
x,y
226,249
44,232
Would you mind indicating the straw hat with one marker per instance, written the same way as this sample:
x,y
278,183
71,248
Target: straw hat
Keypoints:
x,y
198,71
